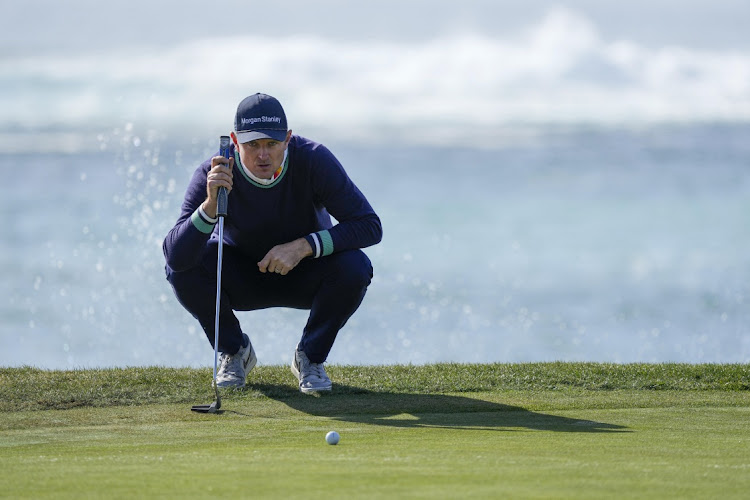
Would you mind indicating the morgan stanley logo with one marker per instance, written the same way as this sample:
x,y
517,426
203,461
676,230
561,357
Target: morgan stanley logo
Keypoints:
x,y
261,119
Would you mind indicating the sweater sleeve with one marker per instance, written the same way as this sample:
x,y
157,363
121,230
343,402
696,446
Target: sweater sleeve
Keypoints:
x,y
358,224
184,244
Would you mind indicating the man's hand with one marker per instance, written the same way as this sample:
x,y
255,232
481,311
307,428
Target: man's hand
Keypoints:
x,y
283,258
220,175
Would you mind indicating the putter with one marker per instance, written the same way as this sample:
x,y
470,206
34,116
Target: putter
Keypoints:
x,y
221,212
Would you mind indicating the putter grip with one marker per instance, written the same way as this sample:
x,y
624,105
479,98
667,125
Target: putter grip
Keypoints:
x,y
223,201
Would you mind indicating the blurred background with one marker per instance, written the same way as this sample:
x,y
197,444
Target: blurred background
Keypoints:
x,y
557,180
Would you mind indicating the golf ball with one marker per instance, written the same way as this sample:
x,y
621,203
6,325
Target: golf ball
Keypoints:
x,y
332,437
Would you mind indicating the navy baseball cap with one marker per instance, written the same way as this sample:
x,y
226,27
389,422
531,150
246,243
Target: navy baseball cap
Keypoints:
x,y
260,116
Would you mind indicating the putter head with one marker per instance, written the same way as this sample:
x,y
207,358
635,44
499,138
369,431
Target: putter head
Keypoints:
x,y
204,408
212,408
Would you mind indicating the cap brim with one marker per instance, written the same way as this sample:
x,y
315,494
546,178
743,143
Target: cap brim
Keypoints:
x,y
254,135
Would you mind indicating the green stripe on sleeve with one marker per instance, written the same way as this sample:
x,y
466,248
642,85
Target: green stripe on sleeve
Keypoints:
x,y
325,238
200,224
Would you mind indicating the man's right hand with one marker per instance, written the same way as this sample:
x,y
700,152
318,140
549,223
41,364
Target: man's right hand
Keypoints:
x,y
220,175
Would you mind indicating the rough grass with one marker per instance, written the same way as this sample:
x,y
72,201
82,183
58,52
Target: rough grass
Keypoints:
x,y
27,388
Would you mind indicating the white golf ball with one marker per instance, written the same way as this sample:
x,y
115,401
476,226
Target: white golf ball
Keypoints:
x,y
332,437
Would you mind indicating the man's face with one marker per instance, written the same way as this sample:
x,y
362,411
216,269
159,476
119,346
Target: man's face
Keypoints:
x,y
263,157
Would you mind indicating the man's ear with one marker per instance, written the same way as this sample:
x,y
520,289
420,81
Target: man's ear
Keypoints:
x,y
234,139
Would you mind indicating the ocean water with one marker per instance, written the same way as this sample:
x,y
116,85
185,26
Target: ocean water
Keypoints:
x,y
555,183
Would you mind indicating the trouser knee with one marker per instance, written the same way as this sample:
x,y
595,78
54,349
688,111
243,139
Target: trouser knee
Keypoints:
x,y
353,271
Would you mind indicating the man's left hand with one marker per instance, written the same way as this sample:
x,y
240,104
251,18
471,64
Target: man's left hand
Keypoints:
x,y
283,258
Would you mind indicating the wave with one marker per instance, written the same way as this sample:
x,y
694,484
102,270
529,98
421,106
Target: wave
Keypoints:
x,y
560,70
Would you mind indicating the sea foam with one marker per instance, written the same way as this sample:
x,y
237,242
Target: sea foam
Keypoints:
x,y
559,70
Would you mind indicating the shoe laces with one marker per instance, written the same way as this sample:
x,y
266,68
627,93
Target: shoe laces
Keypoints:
x,y
308,369
317,370
229,363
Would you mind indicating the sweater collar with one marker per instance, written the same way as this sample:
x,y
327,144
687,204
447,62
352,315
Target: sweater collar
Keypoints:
x,y
257,181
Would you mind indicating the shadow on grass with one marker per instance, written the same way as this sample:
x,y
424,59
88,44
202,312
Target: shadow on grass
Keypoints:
x,y
352,404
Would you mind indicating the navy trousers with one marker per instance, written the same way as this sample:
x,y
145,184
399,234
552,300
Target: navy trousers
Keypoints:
x,y
331,287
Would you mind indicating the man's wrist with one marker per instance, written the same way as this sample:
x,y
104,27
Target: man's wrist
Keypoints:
x,y
305,248
208,210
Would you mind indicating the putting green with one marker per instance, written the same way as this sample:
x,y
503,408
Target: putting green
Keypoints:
x,y
517,444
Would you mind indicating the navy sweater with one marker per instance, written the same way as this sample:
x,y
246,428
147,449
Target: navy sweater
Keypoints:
x,y
297,204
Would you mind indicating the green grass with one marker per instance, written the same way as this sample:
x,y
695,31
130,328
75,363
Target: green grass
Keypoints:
x,y
547,430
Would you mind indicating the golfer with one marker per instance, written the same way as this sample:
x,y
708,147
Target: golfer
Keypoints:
x,y
280,246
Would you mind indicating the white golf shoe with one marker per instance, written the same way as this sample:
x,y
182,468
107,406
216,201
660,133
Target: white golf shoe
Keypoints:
x,y
233,368
312,376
